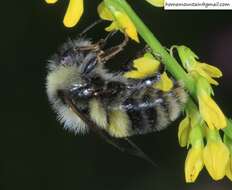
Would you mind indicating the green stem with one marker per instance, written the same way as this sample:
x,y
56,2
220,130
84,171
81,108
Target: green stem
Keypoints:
x,y
228,129
213,135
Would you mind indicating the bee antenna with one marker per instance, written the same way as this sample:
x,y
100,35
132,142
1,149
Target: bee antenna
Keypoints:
x,y
90,27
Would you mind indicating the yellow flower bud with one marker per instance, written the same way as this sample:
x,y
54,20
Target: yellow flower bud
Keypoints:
x,y
51,1
145,66
103,12
209,110
120,21
73,13
216,157
156,3
187,57
183,132
211,113
190,62
208,71
193,164
194,160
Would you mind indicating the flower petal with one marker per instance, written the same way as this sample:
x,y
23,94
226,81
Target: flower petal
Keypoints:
x,y
112,26
73,13
120,21
210,112
216,157
51,1
204,74
193,164
183,132
211,70
165,83
156,3
103,12
145,66
126,25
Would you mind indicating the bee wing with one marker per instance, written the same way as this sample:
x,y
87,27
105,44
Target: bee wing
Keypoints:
x,y
133,149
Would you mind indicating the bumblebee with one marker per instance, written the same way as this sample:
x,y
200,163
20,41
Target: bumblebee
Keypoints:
x,y
87,97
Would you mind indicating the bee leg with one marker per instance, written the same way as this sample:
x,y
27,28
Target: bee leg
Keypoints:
x,y
135,150
98,46
111,52
103,42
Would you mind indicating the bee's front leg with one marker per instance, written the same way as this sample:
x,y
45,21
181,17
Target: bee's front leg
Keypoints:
x,y
111,52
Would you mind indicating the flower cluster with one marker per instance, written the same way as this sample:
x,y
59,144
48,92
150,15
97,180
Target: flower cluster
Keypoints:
x,y
204,122
200,129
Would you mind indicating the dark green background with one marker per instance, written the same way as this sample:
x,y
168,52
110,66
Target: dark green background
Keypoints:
x,y
36,153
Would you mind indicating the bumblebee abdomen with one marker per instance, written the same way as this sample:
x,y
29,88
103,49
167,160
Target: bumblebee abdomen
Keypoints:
x,y
143,112
153,110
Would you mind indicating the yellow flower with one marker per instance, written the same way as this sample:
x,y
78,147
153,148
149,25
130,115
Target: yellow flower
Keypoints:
x,y
193,163
183,132
209,110
73,13
165,84
208,72
191,127
147,66
51,1
215,155
190,132
190,62
229,168
156,3
120,21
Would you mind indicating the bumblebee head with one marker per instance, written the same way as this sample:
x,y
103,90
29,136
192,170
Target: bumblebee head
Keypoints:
x,y
61,78
67,78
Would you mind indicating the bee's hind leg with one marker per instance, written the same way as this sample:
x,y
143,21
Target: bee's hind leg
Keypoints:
x,y
99,45
102,42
